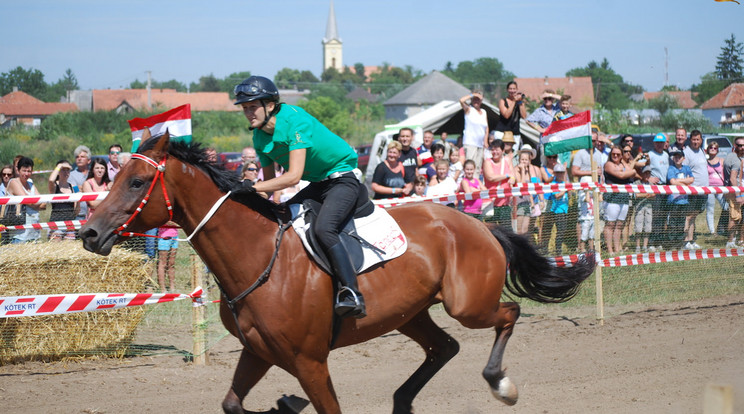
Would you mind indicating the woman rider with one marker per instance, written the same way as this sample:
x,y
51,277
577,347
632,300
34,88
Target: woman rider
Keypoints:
x,y
307,150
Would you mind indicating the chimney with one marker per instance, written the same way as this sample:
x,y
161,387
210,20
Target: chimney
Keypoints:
x,y
15,89
546,81
570,79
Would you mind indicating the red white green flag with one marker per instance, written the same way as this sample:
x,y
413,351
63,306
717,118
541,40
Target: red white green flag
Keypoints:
x,y
568,134
177,121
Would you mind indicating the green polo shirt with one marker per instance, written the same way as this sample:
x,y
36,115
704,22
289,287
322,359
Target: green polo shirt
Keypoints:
x,y
326,152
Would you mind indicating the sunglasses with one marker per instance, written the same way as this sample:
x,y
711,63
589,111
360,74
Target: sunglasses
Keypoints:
x,y
616,154
552,156
7,175
251,169
115,152
626,152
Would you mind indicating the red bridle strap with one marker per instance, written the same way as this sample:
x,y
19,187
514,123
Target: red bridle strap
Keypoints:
x,y
159,173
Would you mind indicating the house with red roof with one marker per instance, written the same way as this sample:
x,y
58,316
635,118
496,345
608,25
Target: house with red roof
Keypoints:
x,y
727,107
129,100
580,88
20,108
686,99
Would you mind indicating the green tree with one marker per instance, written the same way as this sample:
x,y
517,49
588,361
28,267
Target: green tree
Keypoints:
x,y
330,113
228,83
293,78
663,103
59,89
610,89
708,87
389,80
485,73
171,84
729,63
30,81
206,84
359,70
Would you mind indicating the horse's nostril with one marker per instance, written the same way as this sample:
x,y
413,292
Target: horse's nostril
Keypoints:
x,y
89,233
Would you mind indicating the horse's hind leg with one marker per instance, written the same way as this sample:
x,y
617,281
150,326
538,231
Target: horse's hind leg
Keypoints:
x,y
249,371
501,386
439,348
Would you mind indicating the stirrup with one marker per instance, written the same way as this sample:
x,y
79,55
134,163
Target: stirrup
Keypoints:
x,y
353,295
358,310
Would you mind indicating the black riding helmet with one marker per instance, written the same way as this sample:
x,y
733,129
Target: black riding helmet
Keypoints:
x,y
258,88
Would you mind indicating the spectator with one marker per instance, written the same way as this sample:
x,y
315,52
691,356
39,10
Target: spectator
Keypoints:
x,y
546,172
565,109
59,184
250,172
508,139
97,182
658,159
17,158
586,218
424,153
697,160
388,180
448,146
249,155
630,161
441,184
79,175
557,212
543,116
715,178
408,156
643,213
24,186
419,187
455,167
124,158
679,174
627,141
469,184
113,164
732,176
7,174
547,176
680,139
167,249
475,133
437,151
528,207
6,211
616,204
211,154
511,111
497,173
582,162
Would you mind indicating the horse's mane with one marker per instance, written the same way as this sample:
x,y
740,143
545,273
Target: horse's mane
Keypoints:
x,y
192,153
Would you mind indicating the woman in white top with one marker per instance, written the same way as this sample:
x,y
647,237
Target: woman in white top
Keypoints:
x,y
475,133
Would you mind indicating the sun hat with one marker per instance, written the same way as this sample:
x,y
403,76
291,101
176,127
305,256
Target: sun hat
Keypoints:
x,y
508,137
528,148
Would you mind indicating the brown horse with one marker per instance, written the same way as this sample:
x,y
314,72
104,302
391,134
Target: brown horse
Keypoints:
x,y
286,319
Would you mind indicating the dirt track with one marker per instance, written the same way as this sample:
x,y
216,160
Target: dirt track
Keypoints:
x,y
643,361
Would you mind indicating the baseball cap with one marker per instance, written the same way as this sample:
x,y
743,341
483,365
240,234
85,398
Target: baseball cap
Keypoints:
x,y
660,137
675,151
559,168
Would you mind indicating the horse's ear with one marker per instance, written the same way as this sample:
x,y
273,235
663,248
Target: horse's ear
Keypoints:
x,y
161,147
145,135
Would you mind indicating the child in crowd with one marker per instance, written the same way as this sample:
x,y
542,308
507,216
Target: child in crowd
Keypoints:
x,y
419,186
437,152
643,213
167,255
586,218
558,210
471,184
679,174
455,167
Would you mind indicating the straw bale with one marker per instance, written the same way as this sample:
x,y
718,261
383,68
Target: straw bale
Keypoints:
x,y
65,267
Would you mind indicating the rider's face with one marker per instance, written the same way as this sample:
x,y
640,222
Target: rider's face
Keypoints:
x,y
255,113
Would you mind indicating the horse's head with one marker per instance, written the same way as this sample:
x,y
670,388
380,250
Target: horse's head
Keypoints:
x,y
141,179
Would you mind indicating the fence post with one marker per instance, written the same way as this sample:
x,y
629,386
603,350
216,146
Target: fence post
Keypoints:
x,y
197,315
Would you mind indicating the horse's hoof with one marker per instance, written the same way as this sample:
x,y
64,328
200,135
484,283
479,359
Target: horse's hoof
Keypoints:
x,y
507,392
292,404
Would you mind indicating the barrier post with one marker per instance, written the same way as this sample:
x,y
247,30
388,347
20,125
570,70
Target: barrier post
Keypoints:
x,y
597,241
197,315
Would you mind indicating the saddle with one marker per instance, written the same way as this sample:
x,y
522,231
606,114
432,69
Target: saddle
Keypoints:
x,y
370,236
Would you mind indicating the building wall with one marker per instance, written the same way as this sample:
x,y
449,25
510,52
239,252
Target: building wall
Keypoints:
x,y
333,55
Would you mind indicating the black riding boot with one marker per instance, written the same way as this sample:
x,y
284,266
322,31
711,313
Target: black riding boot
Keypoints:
x,y
349,301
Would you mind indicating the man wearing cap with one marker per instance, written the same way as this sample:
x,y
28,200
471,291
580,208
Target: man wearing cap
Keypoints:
x,y
543,116
307,150
658,159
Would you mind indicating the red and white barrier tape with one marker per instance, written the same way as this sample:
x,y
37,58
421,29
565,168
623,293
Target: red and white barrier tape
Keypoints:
x,y
52,198
16,306
652,258
68,225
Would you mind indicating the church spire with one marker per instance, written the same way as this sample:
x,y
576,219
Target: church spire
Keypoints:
x,y
331,29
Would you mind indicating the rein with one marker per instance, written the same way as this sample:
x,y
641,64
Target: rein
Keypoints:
x,y
159,175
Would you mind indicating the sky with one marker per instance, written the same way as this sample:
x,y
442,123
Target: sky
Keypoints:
x,y
109,44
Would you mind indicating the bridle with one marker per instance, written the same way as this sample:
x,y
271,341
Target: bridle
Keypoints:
x,y
160,176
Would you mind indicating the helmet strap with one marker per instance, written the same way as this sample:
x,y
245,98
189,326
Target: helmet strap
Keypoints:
x,y
268,116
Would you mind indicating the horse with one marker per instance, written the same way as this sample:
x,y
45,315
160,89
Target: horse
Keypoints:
x,y
282,302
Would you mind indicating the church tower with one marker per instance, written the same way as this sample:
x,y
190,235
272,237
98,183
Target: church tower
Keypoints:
x,y
332,45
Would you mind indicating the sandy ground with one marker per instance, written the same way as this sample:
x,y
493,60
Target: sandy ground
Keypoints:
x,y
655,360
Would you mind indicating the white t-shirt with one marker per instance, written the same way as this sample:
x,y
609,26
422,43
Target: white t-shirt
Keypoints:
x,y
698,163
475,128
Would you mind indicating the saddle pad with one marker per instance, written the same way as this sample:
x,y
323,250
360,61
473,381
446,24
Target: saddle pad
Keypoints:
x,y
378,229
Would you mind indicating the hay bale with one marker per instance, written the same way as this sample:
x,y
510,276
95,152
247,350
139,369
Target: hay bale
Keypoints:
x,y
65,267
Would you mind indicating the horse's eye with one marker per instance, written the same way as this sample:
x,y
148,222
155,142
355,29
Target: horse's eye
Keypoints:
x,y
136,184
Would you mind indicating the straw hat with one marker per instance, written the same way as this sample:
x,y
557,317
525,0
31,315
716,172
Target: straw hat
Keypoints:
x,y
528,148
508,137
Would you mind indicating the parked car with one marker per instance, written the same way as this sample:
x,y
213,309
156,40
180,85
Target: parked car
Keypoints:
x,y
363,152
724,144
646,142
230,160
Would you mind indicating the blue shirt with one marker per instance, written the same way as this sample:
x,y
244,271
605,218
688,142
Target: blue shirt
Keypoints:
x,y
543,116
674,172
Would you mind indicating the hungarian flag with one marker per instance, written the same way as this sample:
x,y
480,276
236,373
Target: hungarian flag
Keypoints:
x,y
177,121
568,134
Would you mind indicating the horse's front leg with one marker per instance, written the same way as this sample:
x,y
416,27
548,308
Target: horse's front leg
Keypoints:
x,y
249,371
316,382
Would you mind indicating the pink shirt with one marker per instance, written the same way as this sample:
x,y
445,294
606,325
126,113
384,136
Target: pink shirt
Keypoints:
x,y
473,206
715,174
502,168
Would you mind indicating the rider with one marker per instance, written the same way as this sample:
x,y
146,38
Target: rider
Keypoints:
x,y
307,150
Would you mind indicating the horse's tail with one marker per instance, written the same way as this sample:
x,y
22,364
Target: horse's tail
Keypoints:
x,y
533,276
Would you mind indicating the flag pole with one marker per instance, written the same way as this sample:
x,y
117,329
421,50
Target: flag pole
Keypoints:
x,y
597,235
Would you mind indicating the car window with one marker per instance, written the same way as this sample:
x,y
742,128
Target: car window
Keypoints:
x,y
721,141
